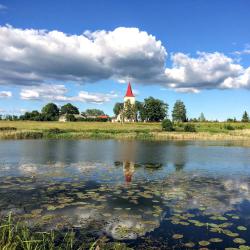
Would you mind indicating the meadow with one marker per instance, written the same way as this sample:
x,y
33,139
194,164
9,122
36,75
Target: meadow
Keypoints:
x,y
107,130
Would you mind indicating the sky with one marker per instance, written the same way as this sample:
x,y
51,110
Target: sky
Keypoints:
x,y
85,52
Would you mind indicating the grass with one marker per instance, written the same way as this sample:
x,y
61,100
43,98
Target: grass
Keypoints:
x,y
107,130
18,236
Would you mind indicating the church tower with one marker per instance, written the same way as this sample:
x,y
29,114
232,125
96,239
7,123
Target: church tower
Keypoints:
x,y
129,95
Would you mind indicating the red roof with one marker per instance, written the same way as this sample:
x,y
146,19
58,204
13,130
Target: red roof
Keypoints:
x,y
129,92
103,116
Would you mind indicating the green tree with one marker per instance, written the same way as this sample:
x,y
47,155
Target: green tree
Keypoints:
x,y
154,110
245,117
179,113
70,118
94,112
140,111
50,112
118,108
69,109
202,117
129,111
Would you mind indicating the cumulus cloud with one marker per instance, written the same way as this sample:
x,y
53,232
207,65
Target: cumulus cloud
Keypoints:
x,y
59,93
206,71
5,94
36,57
30,57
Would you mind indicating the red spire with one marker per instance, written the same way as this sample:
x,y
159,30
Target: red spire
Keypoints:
x,y
129,92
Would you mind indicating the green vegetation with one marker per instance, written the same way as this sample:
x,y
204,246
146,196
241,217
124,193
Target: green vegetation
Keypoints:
x,y
69,109
108,130
189,127
245,117
179,113
154,110
18,236
167,125
93,112
118,108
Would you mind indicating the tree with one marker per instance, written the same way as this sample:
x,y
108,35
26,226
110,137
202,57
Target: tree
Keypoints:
x,y
140,111
70,118
50,112
245,117
202,117
154,110
94,112
179,113
118,108
129,111
69,109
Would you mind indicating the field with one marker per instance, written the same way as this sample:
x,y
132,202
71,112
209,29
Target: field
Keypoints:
x,y
107,130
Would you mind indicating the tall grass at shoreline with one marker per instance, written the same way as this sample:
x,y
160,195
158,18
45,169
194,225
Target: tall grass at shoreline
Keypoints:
x,y
18,236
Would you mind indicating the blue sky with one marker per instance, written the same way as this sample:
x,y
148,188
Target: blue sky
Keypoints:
x,y
38,67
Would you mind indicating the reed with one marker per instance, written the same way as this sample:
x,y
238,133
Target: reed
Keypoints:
x,y
18,236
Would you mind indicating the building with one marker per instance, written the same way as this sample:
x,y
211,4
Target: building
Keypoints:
x,y
129,97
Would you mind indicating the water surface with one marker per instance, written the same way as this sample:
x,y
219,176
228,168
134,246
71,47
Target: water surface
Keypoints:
x,y
161,194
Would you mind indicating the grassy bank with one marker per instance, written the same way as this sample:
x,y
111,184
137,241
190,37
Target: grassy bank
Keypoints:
x,y
18,236
106,130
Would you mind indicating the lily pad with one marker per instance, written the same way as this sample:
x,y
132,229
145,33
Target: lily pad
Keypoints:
x,y
189,244
204,243
215,240
239,241
177,236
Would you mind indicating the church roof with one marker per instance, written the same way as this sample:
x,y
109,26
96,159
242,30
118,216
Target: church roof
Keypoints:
x,y
129,92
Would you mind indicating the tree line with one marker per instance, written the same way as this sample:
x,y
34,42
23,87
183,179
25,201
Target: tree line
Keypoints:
x,y
150,110
51,112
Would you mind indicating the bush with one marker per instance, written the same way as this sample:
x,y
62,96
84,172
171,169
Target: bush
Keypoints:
x,y
167,125
229,127
189,128
8,129
55,131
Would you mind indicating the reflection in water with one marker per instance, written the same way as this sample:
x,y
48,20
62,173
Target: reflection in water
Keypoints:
x,y
199,203
128,170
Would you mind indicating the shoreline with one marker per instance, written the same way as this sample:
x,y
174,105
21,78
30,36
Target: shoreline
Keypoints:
x,y
18,130
132,135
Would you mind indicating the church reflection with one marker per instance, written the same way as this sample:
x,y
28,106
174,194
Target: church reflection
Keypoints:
x,y
128,170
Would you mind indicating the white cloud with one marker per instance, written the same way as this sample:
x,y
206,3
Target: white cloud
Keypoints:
x,y
206,71
59,93
245,51
5,94
2,7
29,57
35,57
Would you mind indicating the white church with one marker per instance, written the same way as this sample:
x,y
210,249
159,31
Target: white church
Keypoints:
x,y
129,97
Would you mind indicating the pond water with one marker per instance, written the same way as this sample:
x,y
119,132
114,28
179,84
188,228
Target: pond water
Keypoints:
x,y
147,194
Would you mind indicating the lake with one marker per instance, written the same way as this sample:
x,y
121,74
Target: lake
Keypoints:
x,y
146,194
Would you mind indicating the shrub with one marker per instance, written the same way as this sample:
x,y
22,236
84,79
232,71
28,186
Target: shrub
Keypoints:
x,y
189,128
229,127
8,129
55,131
167,125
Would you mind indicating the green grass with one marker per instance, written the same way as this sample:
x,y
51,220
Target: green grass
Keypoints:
x,y
107,130
18,236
